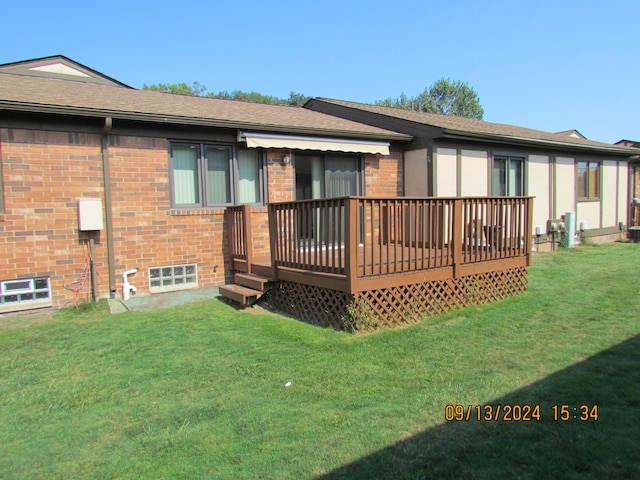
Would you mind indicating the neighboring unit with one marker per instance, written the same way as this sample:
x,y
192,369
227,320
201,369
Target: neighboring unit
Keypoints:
x,y
457,156
634,168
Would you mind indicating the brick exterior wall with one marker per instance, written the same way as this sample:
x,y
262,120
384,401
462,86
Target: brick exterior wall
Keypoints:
x,y
146,231
45,173
634,212
383,176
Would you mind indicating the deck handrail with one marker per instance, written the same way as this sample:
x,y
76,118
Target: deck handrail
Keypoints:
x,y
360,237
310,234
240,238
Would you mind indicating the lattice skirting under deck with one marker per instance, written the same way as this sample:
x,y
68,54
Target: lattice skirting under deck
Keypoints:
x,y
389,307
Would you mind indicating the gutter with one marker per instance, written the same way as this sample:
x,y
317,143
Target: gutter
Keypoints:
x,y
458,135
194,121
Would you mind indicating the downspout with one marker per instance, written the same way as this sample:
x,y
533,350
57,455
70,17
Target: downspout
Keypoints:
x,y
107,205
632,194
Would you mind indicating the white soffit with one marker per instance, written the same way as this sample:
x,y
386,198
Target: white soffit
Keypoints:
x,y
265,140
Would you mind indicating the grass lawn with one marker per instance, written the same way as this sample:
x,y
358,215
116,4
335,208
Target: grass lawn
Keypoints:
x,y
199,391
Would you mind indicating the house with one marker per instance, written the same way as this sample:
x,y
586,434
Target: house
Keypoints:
x,y
355,216
98,180
634,167
457,156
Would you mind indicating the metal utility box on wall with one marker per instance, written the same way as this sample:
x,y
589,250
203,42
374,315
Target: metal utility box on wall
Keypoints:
x,y
89,214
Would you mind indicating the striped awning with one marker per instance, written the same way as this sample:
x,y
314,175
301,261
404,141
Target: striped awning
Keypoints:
x,y
294,142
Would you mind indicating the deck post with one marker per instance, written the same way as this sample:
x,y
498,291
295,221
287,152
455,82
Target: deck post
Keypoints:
x,y
351,243
457,237
246,231
274,239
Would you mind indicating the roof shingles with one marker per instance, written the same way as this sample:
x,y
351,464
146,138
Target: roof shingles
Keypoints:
x,y
18,92
456,124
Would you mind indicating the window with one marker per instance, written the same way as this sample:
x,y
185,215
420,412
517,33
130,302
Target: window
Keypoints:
x,y
25,293
175,277
205,175
587,183
508,176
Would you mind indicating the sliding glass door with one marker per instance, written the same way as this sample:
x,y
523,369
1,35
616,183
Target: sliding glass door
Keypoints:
x,y
325,176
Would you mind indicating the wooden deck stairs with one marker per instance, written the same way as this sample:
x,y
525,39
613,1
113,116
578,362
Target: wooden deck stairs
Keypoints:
x,y
247,288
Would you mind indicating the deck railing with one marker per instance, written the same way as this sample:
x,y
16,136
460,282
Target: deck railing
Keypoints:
x,y
495,228
363,237
240,239
310,234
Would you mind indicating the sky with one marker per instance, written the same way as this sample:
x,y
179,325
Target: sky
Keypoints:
x,y
547,65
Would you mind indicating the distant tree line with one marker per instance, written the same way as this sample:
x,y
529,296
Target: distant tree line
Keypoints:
x,y
444,96
199,90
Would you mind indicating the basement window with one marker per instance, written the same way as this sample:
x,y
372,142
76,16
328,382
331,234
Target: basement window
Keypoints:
x,y
25,293
174,277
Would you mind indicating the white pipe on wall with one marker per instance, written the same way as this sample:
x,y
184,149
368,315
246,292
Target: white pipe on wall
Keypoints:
x,y
127,288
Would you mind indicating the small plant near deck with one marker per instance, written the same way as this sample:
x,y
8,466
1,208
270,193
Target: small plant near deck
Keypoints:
x,y
359,316
472,292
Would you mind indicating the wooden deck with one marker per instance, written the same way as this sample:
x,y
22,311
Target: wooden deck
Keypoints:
x,y
359,246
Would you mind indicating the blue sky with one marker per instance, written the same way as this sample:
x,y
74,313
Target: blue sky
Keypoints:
x,y
547,65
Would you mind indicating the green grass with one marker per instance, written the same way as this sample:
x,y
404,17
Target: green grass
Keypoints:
x,y
199,391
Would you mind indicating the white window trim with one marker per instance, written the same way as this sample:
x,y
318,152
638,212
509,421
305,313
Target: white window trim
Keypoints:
x,y
174,287
24,304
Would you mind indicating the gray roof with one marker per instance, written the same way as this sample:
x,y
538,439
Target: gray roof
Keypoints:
x,y
464,126
53,95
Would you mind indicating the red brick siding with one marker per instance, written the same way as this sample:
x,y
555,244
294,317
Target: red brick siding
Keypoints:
x,y
280,177
45,173
383,175
147,232
635,208
44,176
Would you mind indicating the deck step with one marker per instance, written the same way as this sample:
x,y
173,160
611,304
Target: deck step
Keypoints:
x,y
240,294
251,280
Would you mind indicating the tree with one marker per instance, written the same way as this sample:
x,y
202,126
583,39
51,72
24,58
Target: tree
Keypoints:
x,y
444,96
199,90
196,90
297,99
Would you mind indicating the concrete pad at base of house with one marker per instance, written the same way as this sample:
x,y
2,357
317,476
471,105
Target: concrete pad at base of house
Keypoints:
x,y
117,306
167,300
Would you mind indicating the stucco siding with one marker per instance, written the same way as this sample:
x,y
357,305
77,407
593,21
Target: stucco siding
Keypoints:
x,y
623,187
537,178
588,212
609,196
446,172
565,186
473,173
416,173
